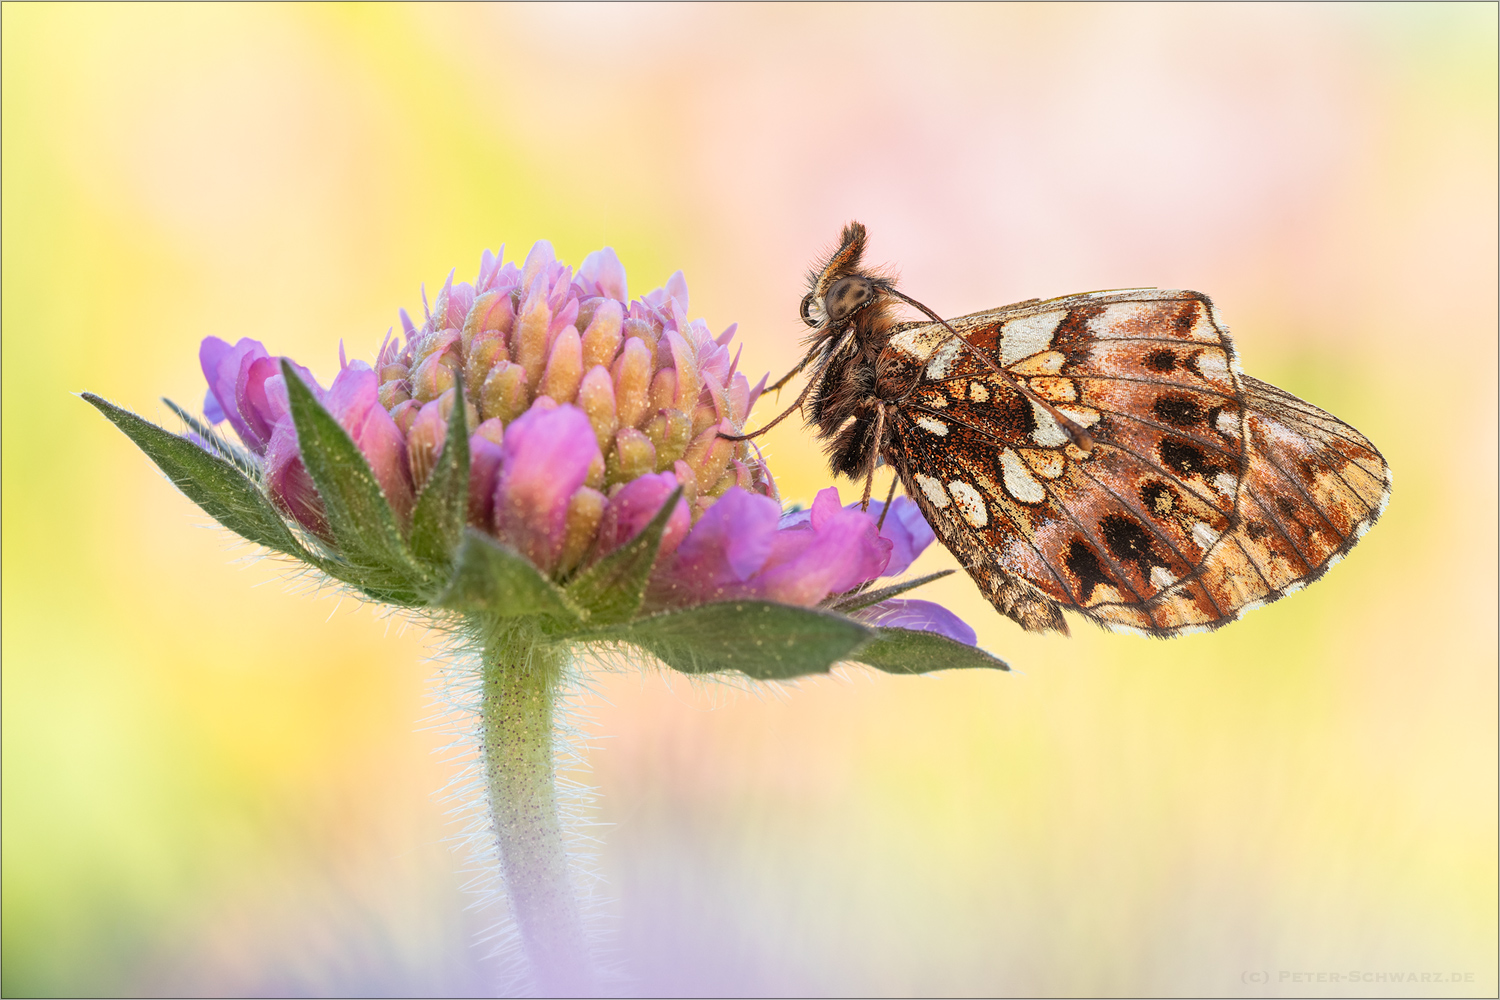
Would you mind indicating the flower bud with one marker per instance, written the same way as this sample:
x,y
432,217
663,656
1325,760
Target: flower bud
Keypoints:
x,y
528,341
669,431
643,331
432,378
689,384
585,511
505,394
596,397
709,456
424,442
404,414
438,344
663,390
564,367
632,456
601,337
486,351
632,378
489,314
704,417
394,392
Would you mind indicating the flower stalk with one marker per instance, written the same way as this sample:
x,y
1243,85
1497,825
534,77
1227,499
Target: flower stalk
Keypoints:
x,y
521,675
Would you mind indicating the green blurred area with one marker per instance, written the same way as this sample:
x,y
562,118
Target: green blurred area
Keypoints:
x,y
218,782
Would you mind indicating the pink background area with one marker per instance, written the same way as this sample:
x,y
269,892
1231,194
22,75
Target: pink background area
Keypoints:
x,y
212,785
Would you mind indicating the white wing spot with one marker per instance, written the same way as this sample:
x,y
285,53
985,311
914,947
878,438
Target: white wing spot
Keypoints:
x,y
1083,416
1019,482
920,341
943,358
933,424
1021,338
1211,365
1204,535
1161,579
970,503
979,392
1123,319
933,490
1048,433
1226,483
1228,424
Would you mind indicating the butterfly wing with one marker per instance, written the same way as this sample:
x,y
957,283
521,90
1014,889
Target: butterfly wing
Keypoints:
x,y
1139,531
1315,485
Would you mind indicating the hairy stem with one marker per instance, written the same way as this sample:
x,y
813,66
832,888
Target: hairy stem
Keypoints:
x,y
521,678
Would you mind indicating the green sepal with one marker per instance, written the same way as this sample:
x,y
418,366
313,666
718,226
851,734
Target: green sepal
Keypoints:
x,y
911,651
864,598
613,588
442,509
759,639
211,482
363,524
490,579
234,454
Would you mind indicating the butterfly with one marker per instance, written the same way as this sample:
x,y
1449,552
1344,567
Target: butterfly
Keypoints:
x,y
1101,453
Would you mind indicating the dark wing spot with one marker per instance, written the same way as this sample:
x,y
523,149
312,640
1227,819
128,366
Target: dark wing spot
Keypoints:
x,y
1162,360
1185,459
1084,565
1287,507
1128,541
1178,410
1256,530
1186,316
1159,498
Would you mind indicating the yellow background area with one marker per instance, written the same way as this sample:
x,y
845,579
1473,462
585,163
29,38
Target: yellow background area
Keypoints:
x,y
216,781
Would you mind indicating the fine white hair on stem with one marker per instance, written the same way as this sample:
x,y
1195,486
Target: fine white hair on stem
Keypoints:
x,y
455,698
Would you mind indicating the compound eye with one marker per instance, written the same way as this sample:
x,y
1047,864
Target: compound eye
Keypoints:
x,y
808,301
846,297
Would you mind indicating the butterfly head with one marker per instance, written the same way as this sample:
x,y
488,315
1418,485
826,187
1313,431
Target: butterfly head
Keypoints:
x,y
840,288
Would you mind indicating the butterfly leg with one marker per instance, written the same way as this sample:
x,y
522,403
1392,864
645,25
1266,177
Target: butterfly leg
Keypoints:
x,y
889,496
864,504
779,418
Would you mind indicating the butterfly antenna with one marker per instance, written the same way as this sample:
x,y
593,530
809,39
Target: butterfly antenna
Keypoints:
x,y
1080,436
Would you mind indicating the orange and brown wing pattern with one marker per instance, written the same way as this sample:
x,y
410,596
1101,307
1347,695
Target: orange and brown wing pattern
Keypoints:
x,y
1130,532
1315,485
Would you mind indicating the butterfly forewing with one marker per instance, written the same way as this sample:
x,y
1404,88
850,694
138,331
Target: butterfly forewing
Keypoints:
x,y
1151,376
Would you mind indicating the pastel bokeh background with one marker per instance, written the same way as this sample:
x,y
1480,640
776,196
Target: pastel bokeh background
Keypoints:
x,y
216,783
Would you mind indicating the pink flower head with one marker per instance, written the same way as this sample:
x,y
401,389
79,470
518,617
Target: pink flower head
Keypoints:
x,y
587,411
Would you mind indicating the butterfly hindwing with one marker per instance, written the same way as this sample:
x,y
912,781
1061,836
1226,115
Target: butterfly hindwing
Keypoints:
x,y
1314,487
